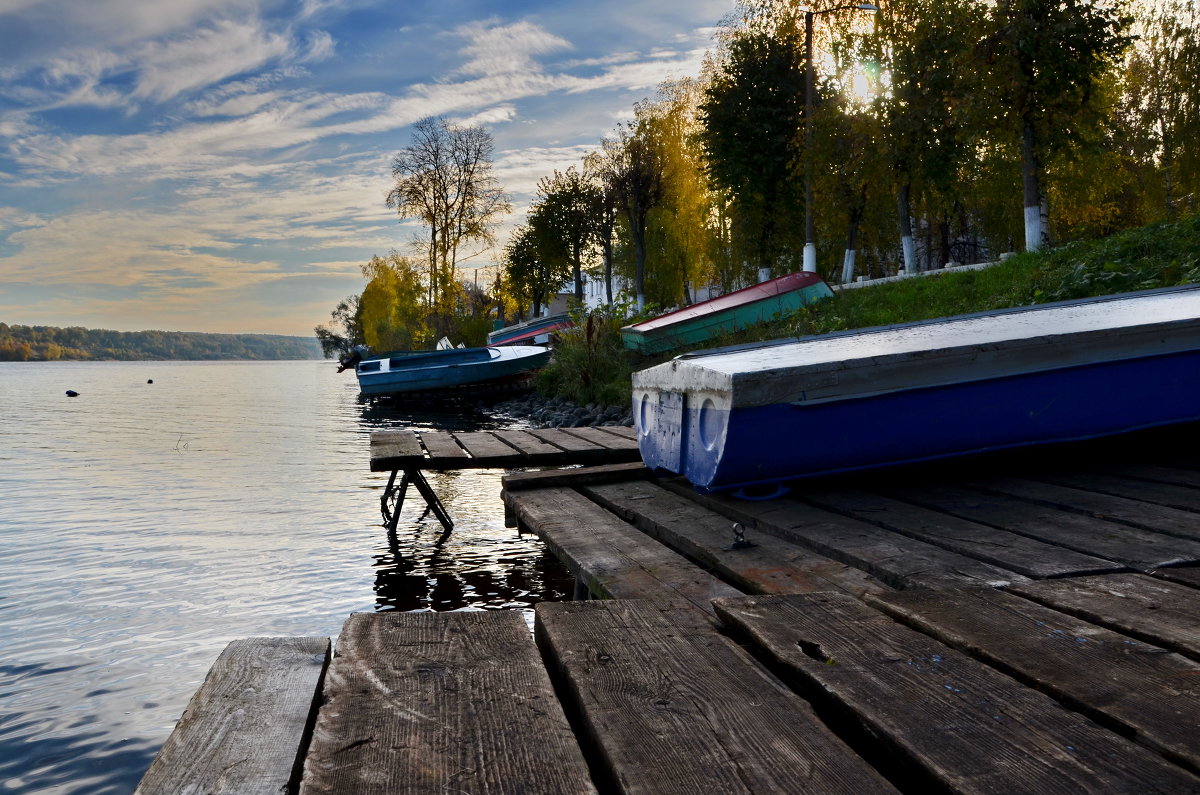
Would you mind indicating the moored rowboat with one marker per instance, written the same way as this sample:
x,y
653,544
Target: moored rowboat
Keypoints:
x,y
405,372
853,400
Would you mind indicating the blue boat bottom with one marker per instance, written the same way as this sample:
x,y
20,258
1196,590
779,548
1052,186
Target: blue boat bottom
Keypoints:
x,y
722,449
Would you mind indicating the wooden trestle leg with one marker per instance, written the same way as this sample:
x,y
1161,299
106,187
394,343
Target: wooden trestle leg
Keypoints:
x,y
391,513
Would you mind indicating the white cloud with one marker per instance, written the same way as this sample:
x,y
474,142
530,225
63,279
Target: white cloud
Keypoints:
x,y
219,50
505,49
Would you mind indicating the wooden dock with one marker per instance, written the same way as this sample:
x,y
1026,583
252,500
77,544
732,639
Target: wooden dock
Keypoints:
x,y
981,627
408,454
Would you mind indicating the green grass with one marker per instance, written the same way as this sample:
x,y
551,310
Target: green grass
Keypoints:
x,y
591,366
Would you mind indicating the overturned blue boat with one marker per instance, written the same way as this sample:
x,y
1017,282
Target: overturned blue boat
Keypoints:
x,y
790,409
457,369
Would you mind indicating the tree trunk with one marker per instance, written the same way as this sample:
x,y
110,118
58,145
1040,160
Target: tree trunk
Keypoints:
x,y
856,214
639,249
906,236
1029,183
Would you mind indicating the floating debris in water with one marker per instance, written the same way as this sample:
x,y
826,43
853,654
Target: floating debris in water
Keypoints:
x,y
72,393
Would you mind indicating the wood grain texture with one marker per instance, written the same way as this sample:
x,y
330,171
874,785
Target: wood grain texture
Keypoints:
x,y
1012,551
1184,575
582,476
441,445
897,560
770,566
392,450
441,702
1132,546
1149,516
966,725
624,431
603,438
527,443
1152,694
484,447
1174,496
674,707
1159,474
245,729
567,441
1163,613
612,558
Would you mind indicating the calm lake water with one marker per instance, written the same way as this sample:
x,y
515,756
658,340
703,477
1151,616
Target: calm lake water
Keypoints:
x,y
144,526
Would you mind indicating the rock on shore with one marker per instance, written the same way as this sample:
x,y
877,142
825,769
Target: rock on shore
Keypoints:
x,y
544,412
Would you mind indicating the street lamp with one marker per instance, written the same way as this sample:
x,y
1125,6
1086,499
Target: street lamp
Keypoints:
x,y
810,247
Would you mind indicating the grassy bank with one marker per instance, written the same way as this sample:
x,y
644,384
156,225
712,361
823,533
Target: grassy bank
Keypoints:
x,y
590,366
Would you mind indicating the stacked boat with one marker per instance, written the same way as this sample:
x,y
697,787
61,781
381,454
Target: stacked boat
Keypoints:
x,y
704,320
532,332
783,410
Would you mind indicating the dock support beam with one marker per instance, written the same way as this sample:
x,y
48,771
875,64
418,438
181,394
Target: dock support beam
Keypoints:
x,y
391,508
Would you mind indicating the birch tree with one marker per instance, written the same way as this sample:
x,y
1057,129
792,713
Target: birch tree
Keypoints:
x,y
444,180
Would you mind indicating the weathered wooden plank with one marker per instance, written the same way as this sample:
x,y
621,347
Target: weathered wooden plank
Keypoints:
x,y
1132,546
1011,551
1184,575
1158,518
1163,613
897,560
612,558
442,447
624,431
392,450
441,702
527,443
770,566
560,438
966,726
487,450
1160,474
1170,495
245,729
1153,695
581,476
674,707
600,437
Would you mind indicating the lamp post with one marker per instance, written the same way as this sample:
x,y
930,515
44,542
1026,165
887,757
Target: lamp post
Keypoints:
x,y
810,246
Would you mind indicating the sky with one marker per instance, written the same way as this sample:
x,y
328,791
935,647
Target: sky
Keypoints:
x,y
221,165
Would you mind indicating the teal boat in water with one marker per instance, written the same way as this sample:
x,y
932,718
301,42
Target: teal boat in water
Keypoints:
x,y
700,322
407,372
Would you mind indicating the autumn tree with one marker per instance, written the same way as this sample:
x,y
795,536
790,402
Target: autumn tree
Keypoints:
x,y
1043,60
1162,97
344,330
391,312
751,116
563,219
631,165
681,221
444,180
604,213
529,277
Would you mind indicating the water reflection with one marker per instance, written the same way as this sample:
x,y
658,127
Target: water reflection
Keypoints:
x,y
143,527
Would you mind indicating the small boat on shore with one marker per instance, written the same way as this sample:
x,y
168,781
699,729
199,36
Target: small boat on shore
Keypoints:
x,y
535,331
407,372
779,411
704,320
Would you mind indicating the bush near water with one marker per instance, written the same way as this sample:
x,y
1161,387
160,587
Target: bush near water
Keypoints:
x,y
590,366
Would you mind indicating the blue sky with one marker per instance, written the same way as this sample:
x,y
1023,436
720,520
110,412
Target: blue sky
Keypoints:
x,y
221,165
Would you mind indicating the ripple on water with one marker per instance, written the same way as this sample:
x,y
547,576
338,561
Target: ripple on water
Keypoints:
x,y
145,526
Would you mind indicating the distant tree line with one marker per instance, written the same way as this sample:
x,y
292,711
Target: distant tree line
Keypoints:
x,y
48,343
